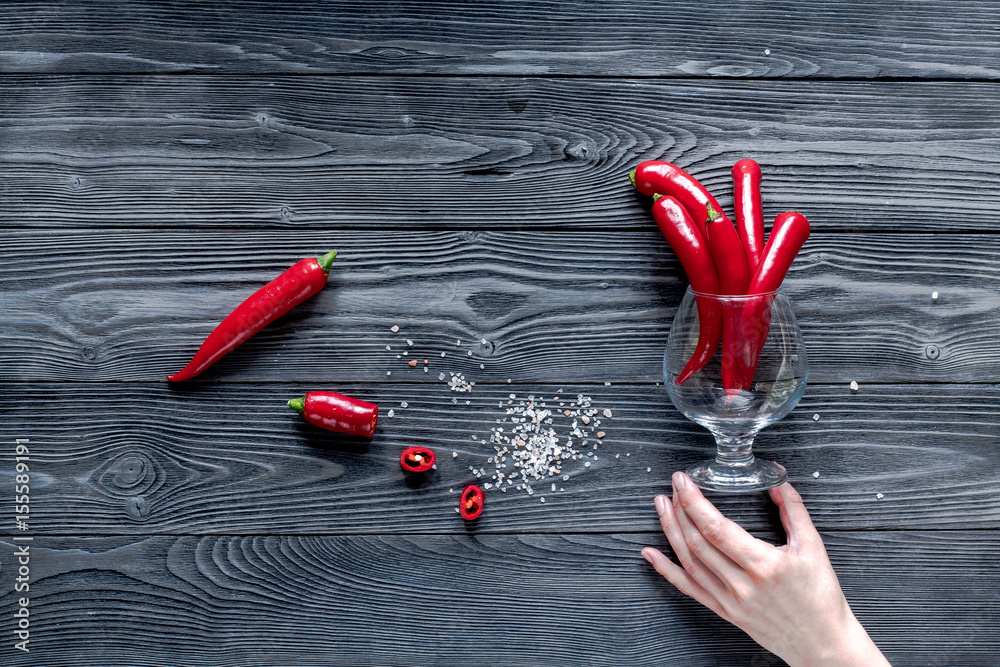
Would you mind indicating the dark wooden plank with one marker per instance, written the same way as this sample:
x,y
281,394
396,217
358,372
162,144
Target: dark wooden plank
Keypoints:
x,y
138,459
555,307
673,39
335,152
927,598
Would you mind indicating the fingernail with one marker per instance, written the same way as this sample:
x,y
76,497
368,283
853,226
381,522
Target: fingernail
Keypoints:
x,y
646,555
661,504
679,482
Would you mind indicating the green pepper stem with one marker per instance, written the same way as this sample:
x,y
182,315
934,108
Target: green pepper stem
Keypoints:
x,y
297,404
656,196
327,260
712,213
631,176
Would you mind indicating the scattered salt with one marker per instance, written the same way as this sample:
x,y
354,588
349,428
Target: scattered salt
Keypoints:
x,y
404,404
392,413
854,385
442,354
607,384
879,496
816,417
454,455
483,341
816,474
409,342
388,372
607,413
388,347
934,296
458,342
508,380
394,328
649,470
482,366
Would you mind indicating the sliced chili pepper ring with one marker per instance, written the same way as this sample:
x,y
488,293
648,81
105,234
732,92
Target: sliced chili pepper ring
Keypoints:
x,y
416,459
470,504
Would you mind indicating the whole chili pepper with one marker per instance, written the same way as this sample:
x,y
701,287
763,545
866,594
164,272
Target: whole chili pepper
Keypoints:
x,y
302,280
788,234
655,177
691,249
336,412
416,459
749,210
470,503
727,251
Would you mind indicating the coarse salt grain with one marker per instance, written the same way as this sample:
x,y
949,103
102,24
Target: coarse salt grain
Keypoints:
x,y
607,384
394,329
458,342
392,413
649,470
412,362
816,474
409,342
879,496
388,347
607,413
454,455
425,369
601,434
854,385
388,372
816,417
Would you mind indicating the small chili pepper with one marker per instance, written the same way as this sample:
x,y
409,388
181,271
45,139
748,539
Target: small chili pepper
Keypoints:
x,y
691,249
416,459
655,177
749,211
302,280
788,233
336,412
470,503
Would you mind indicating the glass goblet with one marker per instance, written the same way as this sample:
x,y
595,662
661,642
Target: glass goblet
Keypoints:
x,y
751,397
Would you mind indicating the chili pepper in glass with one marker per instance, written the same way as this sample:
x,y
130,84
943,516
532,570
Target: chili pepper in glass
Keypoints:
x,y
727,251
788,234
470,503
416,459
299,282
656,177
749,211
336,412
689,245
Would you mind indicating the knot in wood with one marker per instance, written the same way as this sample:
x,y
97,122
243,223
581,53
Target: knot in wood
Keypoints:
x,y
131,474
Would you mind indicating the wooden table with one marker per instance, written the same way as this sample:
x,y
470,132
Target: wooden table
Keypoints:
x,y
159,162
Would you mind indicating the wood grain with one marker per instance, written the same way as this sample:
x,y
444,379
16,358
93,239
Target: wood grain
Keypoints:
x,y
670,39
487,153
502,599
551,307
141,459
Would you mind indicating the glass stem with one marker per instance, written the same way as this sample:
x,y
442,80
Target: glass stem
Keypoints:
x,y
734,450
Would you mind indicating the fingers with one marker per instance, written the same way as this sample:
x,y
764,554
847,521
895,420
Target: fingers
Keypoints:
x,y
794,516
682,580
725,535
694,566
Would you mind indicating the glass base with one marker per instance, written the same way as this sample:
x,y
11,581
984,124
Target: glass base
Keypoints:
x,y
756,475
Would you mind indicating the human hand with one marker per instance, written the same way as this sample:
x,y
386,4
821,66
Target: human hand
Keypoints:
x,y
787,598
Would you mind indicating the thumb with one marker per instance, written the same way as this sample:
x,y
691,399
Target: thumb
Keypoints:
x,y
794,516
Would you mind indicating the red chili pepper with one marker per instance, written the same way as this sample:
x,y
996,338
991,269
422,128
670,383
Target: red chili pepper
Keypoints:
x,y
749,211
691,249
727,251
267,304
655,177
336,412
470,503
416,459
788,234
